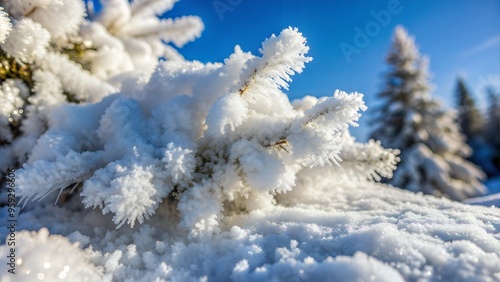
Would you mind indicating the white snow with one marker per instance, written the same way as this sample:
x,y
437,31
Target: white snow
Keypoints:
x,y
27,48
47,258
5,25
61,18
142,33
492,198
338,233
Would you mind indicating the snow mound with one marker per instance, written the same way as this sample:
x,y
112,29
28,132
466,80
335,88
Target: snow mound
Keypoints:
x,y
490,200
349,232
44,257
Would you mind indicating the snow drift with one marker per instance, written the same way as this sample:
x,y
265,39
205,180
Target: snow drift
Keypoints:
x,y
347,232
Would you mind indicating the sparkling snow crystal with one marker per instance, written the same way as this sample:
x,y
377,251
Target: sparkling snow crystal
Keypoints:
x,y
49,258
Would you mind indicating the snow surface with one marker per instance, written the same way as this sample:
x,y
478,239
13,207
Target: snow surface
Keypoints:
x,y
338,233
493,196
490,200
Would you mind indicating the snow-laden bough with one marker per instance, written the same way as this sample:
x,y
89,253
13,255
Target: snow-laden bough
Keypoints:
x,y
209,138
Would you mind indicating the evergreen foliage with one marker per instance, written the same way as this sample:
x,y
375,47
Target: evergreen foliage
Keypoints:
x,y
492,129
410,120
469,117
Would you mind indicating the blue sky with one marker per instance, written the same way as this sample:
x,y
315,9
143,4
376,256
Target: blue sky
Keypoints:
x,y
461,37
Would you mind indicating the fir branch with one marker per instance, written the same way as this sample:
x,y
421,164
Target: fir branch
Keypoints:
x,y
247,82
11,68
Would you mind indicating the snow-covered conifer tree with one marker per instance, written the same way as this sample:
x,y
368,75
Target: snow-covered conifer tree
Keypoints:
x,y
469,117
432,147
207,136
50,54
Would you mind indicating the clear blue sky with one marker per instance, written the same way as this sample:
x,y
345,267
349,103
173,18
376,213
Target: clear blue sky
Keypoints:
x,y
461,37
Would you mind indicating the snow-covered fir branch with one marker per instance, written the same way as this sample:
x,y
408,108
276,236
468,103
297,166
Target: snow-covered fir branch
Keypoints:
x,y
86,59
194,137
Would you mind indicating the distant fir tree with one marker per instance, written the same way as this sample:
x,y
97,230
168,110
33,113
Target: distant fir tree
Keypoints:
x,y
429,138
492,129
469,117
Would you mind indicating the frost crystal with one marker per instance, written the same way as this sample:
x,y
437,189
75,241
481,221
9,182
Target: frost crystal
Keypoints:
x,y
61,18
5,25
23,48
